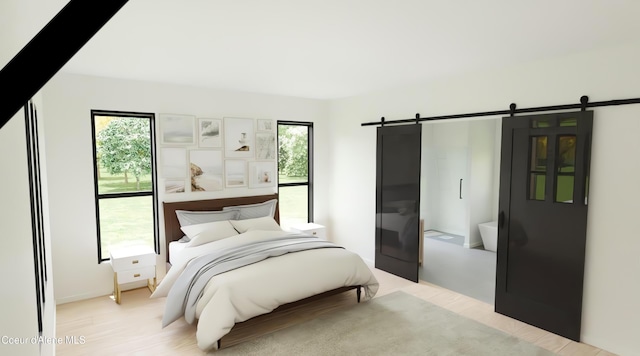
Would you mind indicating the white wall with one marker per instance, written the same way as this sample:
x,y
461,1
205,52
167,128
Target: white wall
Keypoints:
x,y
18,308
476,141
611,289
428,178
18,24
70,98
18,296
446,149
21,20
482,192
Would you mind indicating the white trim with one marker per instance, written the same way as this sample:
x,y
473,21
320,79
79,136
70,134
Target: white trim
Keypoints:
x,y
473,245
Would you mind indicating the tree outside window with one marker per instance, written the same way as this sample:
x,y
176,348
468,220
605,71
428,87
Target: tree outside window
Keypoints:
x,y
124,147
125,186
295,178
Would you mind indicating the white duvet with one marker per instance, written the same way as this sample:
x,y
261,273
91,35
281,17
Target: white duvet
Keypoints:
x,y
256,289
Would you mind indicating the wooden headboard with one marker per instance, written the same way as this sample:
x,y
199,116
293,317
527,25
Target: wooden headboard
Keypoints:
x,y
172,225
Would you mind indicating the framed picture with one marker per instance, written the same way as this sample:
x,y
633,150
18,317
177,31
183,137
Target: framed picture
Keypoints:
x,y
238,138
266,125
210,132
177,129
206,170
235,173
262,174
265,145
174,186
173,162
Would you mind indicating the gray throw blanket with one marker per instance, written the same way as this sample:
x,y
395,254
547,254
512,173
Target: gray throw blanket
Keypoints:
x,y
186,291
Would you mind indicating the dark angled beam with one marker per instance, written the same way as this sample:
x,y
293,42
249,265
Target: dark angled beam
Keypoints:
x,y
49,50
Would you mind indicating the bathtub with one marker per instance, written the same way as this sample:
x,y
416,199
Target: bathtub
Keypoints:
x,y
489,235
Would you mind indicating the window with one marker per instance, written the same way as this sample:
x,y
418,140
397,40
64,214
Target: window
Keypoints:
x,y
124,176
538,168
566,168
295,172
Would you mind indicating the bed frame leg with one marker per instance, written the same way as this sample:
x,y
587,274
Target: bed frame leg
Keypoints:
x,y
359,292
219,343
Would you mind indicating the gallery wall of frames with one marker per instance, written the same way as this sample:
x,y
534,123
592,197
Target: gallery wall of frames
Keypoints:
x,y
207,154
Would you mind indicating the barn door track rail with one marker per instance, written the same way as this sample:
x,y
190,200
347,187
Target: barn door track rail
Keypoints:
x,y
583,105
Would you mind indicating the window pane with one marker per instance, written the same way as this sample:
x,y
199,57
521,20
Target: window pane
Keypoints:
x,y
566,168
537,186
538,167
540,123
123,151
566,154
293,153
569,122
293,205
126,222
564,191
539,153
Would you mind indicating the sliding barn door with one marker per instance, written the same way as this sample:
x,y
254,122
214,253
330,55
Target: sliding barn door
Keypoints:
x,y
542,229
398,200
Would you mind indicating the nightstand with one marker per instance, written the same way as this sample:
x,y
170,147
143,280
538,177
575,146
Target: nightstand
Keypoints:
x,y
132,264
312,229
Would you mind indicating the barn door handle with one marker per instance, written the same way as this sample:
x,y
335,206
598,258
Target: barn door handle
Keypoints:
x,y
460,190
501,219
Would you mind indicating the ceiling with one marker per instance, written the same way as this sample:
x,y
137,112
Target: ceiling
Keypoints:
x,y
338,48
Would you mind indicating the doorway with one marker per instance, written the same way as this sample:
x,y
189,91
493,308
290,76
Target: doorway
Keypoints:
x,y
459,191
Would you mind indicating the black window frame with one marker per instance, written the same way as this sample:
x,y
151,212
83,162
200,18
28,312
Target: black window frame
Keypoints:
x,y
309,183
154,184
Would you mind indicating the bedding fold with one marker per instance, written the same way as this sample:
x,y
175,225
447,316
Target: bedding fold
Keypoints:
x,y
232,280
184,294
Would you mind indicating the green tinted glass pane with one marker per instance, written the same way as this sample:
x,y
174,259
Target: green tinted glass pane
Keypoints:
x,y
569,122
123,151
564,189
565,163
293,203
537,186
566,154
539,153
125,222
541,123
293,154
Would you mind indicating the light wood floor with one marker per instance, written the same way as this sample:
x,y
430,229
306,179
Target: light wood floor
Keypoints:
x,y
134,327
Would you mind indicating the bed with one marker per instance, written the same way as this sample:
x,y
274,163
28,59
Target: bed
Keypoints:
x,y
219,282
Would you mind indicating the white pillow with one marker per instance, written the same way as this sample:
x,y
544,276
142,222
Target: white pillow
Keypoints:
x,y
263,223
186,217
252,211
202,233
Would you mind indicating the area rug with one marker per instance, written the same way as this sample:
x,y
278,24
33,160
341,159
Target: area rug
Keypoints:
x,y
394,324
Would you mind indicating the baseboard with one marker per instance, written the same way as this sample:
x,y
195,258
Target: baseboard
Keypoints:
x,y
369,262
79,297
